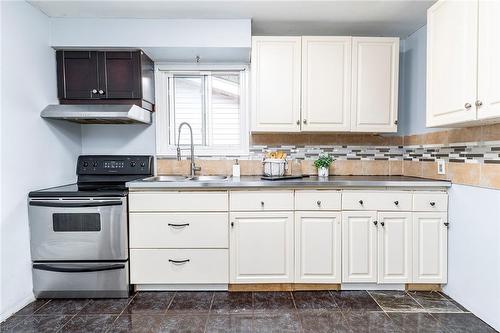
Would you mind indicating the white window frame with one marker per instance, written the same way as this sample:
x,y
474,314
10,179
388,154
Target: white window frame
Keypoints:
x,y
162,123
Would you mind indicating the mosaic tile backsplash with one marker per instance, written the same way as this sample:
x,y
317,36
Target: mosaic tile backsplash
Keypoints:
x,y
473,152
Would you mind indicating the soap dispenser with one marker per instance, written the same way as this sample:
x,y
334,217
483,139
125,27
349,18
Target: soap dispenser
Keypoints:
x,y
236,170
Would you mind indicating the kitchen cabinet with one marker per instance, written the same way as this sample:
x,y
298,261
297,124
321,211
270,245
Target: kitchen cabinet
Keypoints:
x,y
326,83
463,66
317,247
359,246
261,247
395,247
110,77
375,70
430,237
276,84
345,84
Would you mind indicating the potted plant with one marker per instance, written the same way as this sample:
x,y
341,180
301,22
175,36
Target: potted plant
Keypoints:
x,y
323,164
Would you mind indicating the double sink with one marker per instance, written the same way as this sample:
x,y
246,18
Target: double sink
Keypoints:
x,y
185,179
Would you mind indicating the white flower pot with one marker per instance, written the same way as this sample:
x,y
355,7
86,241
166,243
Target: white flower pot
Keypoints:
x,y
322,172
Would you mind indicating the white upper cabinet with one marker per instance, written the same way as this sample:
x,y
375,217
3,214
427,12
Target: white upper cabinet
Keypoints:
x,y
375,68
463,63
276,84
326,83
488,89
451,62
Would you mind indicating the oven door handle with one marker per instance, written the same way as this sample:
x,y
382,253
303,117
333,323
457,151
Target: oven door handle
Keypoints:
x,y
74,204
55,268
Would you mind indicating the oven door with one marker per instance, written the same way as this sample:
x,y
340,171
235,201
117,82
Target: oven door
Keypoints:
x,y
78,229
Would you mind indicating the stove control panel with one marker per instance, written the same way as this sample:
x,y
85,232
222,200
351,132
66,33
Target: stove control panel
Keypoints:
x,y
114,164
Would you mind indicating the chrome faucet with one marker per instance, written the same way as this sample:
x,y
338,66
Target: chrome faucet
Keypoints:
x,y
194,168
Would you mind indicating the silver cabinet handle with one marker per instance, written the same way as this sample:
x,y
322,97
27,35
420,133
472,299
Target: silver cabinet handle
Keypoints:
x,y
318,203
262,203
94,91
305,121
178,262
479,103
101,92
298,122
468,106
182,225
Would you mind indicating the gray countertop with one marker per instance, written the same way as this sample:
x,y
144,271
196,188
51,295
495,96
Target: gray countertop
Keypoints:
x,y
307,182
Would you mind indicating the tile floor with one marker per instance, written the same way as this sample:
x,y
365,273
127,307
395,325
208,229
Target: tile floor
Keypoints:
x,y
316,311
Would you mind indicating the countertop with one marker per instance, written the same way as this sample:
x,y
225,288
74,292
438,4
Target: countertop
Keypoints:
x,y
306,182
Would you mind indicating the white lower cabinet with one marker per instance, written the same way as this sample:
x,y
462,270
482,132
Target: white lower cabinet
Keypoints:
x,y
430,238
359,246
317,247
261,247
394,247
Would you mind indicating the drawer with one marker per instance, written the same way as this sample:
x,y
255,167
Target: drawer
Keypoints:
x,y
318,200
261,200
430,202
183,266
178,201
377,200
178,230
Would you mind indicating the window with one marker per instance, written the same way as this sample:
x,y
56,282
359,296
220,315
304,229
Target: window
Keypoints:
x,y
212,102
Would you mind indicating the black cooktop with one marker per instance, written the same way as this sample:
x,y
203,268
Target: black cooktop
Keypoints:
x,y
101,176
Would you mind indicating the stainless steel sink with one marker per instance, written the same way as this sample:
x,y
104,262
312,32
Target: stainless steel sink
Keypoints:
x,y
208,178
165,179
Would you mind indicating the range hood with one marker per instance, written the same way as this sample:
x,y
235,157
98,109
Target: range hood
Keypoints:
x,y
98,114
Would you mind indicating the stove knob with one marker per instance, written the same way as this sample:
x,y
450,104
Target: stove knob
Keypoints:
x,y
85,164
95,164
132,164
143,164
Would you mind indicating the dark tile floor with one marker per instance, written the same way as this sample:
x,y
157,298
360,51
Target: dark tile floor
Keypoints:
x,y
318,311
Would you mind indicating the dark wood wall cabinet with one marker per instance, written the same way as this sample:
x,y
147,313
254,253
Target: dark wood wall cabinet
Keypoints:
x,y
105,77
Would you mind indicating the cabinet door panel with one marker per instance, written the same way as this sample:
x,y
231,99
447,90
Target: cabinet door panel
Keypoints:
x,y
375,68
317,247
359,246
395,247
261,247
77,74
276,84
429,248
326,83
451,62
120,76
489,60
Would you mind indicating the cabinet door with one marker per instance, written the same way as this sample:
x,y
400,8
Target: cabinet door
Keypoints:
x,y
451,62
317,247
276,84
489,60
429,248
395,247
375,68
77,74
261,247
120,74
326,83
359,246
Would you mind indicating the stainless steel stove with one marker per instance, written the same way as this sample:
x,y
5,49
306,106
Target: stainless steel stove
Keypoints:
x,y
79,232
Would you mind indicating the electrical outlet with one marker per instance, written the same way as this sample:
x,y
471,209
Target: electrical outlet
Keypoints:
x,y
441,167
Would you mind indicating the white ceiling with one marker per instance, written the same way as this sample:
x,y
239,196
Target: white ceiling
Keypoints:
x,y
327,17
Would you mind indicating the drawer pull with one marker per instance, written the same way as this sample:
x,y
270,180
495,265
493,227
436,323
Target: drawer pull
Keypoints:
x,y
262,203
178,262
396,203
375,222
361,202
183,225
318,203
432,203
382,223
446,224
